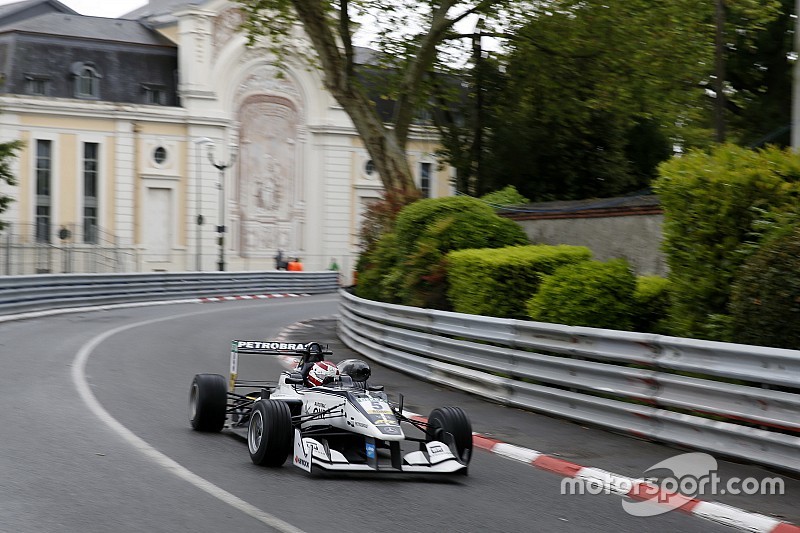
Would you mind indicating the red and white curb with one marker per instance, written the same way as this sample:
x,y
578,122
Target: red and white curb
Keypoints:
x,y
247,297
637,489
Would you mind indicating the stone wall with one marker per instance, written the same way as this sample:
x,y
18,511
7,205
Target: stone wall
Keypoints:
x,y
627,227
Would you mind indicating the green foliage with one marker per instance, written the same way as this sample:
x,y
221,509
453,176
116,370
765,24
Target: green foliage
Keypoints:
x,y
759,71
408,265
589,293
8,151
414,219
651,298
497,282
426,282
377,271
713,202
765,302
508,195
568,119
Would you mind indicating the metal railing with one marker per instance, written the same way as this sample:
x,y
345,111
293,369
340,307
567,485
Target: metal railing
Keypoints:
x,y
24,294
735,400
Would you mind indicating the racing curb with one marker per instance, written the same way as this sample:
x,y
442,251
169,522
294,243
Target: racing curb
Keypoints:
x,y
107,307
638,489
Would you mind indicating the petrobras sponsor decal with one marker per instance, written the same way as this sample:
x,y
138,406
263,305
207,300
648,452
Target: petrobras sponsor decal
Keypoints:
x,y
261,345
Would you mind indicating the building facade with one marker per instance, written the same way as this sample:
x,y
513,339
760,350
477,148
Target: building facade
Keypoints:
x,y
147,135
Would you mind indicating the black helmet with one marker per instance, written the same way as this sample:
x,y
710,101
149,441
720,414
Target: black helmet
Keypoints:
x,y
355,368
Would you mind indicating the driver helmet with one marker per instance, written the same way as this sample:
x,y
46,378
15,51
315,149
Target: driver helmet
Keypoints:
x,y
321,373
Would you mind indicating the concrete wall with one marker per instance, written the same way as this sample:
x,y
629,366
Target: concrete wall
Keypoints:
x,y
635,238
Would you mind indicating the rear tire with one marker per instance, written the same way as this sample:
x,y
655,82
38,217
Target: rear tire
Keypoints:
x,y
270,433
452,420
208,402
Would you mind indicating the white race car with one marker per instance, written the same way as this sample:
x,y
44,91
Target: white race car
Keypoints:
x,y
326,416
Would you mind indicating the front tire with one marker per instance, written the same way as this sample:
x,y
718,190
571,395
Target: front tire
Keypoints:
x,y
208,402
270,433
452,420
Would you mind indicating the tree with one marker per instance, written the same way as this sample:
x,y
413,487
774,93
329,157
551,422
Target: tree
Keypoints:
x,y
596,93
8,151
759,73
411,37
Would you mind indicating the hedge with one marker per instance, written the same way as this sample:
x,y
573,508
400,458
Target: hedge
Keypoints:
x,y
590,293
498,282
651,299
765,303
712,202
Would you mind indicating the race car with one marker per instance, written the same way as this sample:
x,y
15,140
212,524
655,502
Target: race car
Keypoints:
x,y
326,416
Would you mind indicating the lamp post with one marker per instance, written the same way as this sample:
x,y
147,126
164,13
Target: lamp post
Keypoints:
x,y
221,186
198,142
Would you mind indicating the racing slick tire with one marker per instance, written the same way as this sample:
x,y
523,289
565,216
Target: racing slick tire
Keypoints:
x,y
270,433
208,402
452,420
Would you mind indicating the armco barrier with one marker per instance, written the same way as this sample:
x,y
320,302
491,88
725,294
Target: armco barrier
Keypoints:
x,y
735,400
22,294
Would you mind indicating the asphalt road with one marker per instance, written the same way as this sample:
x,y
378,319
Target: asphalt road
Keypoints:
x,y
94,437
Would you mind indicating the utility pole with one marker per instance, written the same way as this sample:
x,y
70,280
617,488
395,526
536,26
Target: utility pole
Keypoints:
x,y
719,71
796,81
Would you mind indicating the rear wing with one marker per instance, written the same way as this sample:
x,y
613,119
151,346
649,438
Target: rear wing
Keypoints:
x,y
286,349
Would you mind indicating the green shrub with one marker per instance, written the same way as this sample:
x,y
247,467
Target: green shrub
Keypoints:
x,y
408,265
415,218
377,274
498,282
589,293
424,266
765,303
711,207
508,195
651,299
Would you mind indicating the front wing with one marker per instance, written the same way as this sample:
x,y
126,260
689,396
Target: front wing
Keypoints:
x,y
436,458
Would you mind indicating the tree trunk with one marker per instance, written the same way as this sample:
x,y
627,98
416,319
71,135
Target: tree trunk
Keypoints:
x,y
388,155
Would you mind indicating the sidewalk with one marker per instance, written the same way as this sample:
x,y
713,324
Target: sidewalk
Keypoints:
x,y
573,442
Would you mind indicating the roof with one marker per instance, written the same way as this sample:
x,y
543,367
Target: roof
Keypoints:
x,y
155,8
83,27
635,204
10,9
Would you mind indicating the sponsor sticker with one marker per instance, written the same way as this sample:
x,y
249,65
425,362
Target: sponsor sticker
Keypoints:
x,y
370,450
260,345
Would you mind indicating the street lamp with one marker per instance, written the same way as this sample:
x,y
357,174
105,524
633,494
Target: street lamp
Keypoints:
x,y
221,186
198,142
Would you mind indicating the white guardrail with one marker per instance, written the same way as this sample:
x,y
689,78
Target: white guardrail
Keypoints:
x,y
23,294
735,400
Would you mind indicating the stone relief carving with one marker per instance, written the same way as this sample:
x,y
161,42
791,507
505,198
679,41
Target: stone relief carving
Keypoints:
x,y
267,187
266,79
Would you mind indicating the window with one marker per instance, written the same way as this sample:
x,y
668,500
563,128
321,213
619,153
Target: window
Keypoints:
x,y
36,85
87,80
155,94
160,155
43,182
425,179
90,173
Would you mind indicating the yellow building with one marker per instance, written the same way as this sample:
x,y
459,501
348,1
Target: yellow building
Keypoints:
x,y
145,136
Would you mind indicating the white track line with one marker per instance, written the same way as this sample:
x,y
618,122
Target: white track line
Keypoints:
x,y
79,379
